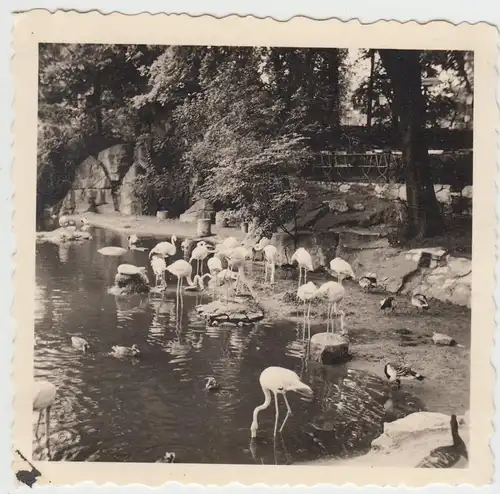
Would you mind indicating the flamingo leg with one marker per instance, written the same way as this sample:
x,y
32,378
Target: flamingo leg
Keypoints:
x,y
265,273
309,322
288,413
305,276
38,423
277,414
47,426
273,272
300,275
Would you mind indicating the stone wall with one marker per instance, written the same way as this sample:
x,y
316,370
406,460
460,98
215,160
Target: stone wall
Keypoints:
x,y
94,178
459,202
432,271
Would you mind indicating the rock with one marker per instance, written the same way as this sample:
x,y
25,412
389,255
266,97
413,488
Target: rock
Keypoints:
x,y
63,235
344,188
133,284
328,348
231,312
406,441
117,160
467,192
428,257
192,214
338,206
459,266
394,272
358,206
443,340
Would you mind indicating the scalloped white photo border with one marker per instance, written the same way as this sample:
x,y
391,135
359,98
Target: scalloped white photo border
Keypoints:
x,y
486,221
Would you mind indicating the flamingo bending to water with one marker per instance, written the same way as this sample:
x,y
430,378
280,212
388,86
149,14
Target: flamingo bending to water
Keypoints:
x,y
304,261
341,269
44,394
278,380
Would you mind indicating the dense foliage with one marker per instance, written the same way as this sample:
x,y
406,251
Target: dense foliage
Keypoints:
x,y
233,125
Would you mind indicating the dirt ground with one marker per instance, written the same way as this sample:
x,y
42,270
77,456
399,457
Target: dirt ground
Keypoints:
x,y
405,335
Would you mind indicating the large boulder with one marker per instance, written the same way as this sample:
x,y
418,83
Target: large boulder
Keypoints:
x,y
130,284
405,442
117,160
328,348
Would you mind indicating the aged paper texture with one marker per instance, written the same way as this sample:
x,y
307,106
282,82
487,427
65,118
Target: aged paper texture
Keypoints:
x,y
89,85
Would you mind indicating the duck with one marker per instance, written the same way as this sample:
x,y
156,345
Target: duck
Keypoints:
x,y
169,457
124,351
79,343
397,371
368,282
212,383
446,456
388,304
419,301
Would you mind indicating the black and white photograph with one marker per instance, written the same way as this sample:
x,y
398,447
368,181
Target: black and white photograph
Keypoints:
x,y
254,255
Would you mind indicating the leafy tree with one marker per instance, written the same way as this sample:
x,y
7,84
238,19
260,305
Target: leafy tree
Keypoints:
x,y
404,70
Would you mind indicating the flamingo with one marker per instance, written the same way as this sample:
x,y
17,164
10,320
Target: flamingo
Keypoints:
x,y
307,293
44,394
200,252
214,265
304,260
271,257
341,269
182,269
218,278
165,249
79,343
159,267
278,380
334,292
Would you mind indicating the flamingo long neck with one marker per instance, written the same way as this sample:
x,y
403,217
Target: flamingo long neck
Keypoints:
x,y
190,281
267,402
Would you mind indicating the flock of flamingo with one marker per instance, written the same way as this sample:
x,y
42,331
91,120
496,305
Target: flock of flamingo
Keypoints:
x,y
274,380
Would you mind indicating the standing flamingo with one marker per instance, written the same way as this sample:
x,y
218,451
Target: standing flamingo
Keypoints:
x,y
182,269
271,257
44,394
341,269
304,261
165,249
334,292
278,380
199,254
307,293
159,266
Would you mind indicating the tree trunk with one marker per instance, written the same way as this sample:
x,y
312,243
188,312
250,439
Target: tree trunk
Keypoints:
x,y
403,69
370,91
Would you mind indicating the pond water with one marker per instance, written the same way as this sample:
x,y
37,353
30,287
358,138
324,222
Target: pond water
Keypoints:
x,y
110,409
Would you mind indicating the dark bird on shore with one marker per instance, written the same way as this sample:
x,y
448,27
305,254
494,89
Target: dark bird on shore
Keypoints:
x,y
368,282
396,372
446,456
419,301
388,304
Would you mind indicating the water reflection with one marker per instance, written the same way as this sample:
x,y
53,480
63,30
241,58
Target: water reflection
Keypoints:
x,y
110,409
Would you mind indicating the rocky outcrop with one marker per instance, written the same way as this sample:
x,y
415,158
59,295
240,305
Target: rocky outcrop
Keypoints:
x,y
232,312
99,178
459,202
130,284
328,348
